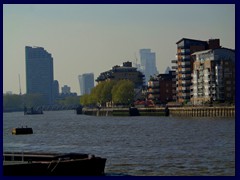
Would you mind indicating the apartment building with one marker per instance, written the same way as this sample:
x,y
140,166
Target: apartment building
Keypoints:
x,y
126,71
161,89
213,77
184,64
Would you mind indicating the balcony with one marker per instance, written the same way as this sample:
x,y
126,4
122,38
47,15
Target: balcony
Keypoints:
x,y
207,81
153,91
184,63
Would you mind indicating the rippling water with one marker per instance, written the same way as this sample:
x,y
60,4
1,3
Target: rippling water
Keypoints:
x,y
136,146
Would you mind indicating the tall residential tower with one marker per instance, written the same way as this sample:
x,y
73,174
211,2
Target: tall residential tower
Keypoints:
x,y
39,73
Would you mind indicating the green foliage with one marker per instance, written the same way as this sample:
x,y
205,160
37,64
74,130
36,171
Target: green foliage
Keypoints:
x,y
16,102
12,102
121,92
106,91
31,100
71,100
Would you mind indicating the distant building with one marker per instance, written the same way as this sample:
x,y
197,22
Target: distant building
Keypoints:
x,y
126,71
184,64
148,63
55,90
213,76
167,70
86,82
66,92
39,73
9,92
66,89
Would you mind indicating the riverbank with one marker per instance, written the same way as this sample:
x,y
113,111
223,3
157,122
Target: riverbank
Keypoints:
x,y
161,111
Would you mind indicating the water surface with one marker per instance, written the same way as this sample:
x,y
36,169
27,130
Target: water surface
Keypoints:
x,y
137,146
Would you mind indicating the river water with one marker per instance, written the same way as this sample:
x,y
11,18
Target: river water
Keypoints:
x,y
134,146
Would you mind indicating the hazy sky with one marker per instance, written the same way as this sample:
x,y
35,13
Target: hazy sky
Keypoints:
x,y
93,38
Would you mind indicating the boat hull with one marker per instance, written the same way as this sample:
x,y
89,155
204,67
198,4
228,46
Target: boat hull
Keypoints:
x,y
89,166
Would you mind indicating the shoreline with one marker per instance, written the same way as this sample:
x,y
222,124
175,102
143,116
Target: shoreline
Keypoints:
x,y
160,111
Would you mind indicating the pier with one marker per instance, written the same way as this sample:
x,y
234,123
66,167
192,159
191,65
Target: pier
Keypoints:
x,y
160,111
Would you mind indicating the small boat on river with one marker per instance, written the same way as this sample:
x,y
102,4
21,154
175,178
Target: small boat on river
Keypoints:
x,y
32,111
52,164
22,130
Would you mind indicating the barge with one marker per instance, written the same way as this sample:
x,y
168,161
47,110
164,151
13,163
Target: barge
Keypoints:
x,y
52,164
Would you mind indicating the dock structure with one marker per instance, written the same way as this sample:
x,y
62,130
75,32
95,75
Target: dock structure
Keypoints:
x,y
203,111
162,111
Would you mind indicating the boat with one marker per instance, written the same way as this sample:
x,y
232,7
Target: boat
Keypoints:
x,y
133,111
22,130
32,111
52,164
79,110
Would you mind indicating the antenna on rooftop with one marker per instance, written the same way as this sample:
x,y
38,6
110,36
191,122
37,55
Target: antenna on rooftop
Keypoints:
x,y
20,91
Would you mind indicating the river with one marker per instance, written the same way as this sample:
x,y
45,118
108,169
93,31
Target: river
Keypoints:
x,y
133,146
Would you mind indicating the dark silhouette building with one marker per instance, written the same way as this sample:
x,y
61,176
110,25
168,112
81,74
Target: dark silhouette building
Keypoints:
x,y
126,71
39,73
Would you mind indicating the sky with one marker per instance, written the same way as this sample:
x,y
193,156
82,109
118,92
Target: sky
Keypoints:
x,y
94,38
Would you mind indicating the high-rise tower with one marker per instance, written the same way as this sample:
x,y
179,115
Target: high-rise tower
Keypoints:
x,y
39,73
86,82
148,63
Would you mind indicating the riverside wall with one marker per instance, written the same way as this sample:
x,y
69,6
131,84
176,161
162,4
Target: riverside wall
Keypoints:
x,y
203,111
160,111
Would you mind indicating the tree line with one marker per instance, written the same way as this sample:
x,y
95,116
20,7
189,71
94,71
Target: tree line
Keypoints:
x,y
14,102
118,92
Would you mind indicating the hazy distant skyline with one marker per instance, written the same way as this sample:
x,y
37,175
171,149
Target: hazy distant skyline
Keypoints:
x,y
93,38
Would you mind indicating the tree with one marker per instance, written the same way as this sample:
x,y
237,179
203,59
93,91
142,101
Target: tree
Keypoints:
x,y
31,100
123,92
12,102
106,91
71,100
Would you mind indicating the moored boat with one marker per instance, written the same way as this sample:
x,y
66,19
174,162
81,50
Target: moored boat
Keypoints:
x,y
32,111
52,164
22,130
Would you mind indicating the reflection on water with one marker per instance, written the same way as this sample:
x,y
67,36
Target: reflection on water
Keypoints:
x,y
136,146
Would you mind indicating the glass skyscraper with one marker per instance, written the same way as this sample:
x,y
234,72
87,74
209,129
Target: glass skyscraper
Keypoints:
x,y
148,63
86,82
39,73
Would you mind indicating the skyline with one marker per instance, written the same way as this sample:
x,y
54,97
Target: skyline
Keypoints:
x,y
94,38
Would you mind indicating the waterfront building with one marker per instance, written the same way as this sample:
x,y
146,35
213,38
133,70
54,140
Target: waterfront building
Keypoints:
x,y
184,64
39,73
213,77
86,82
126,71
161,88
148,63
